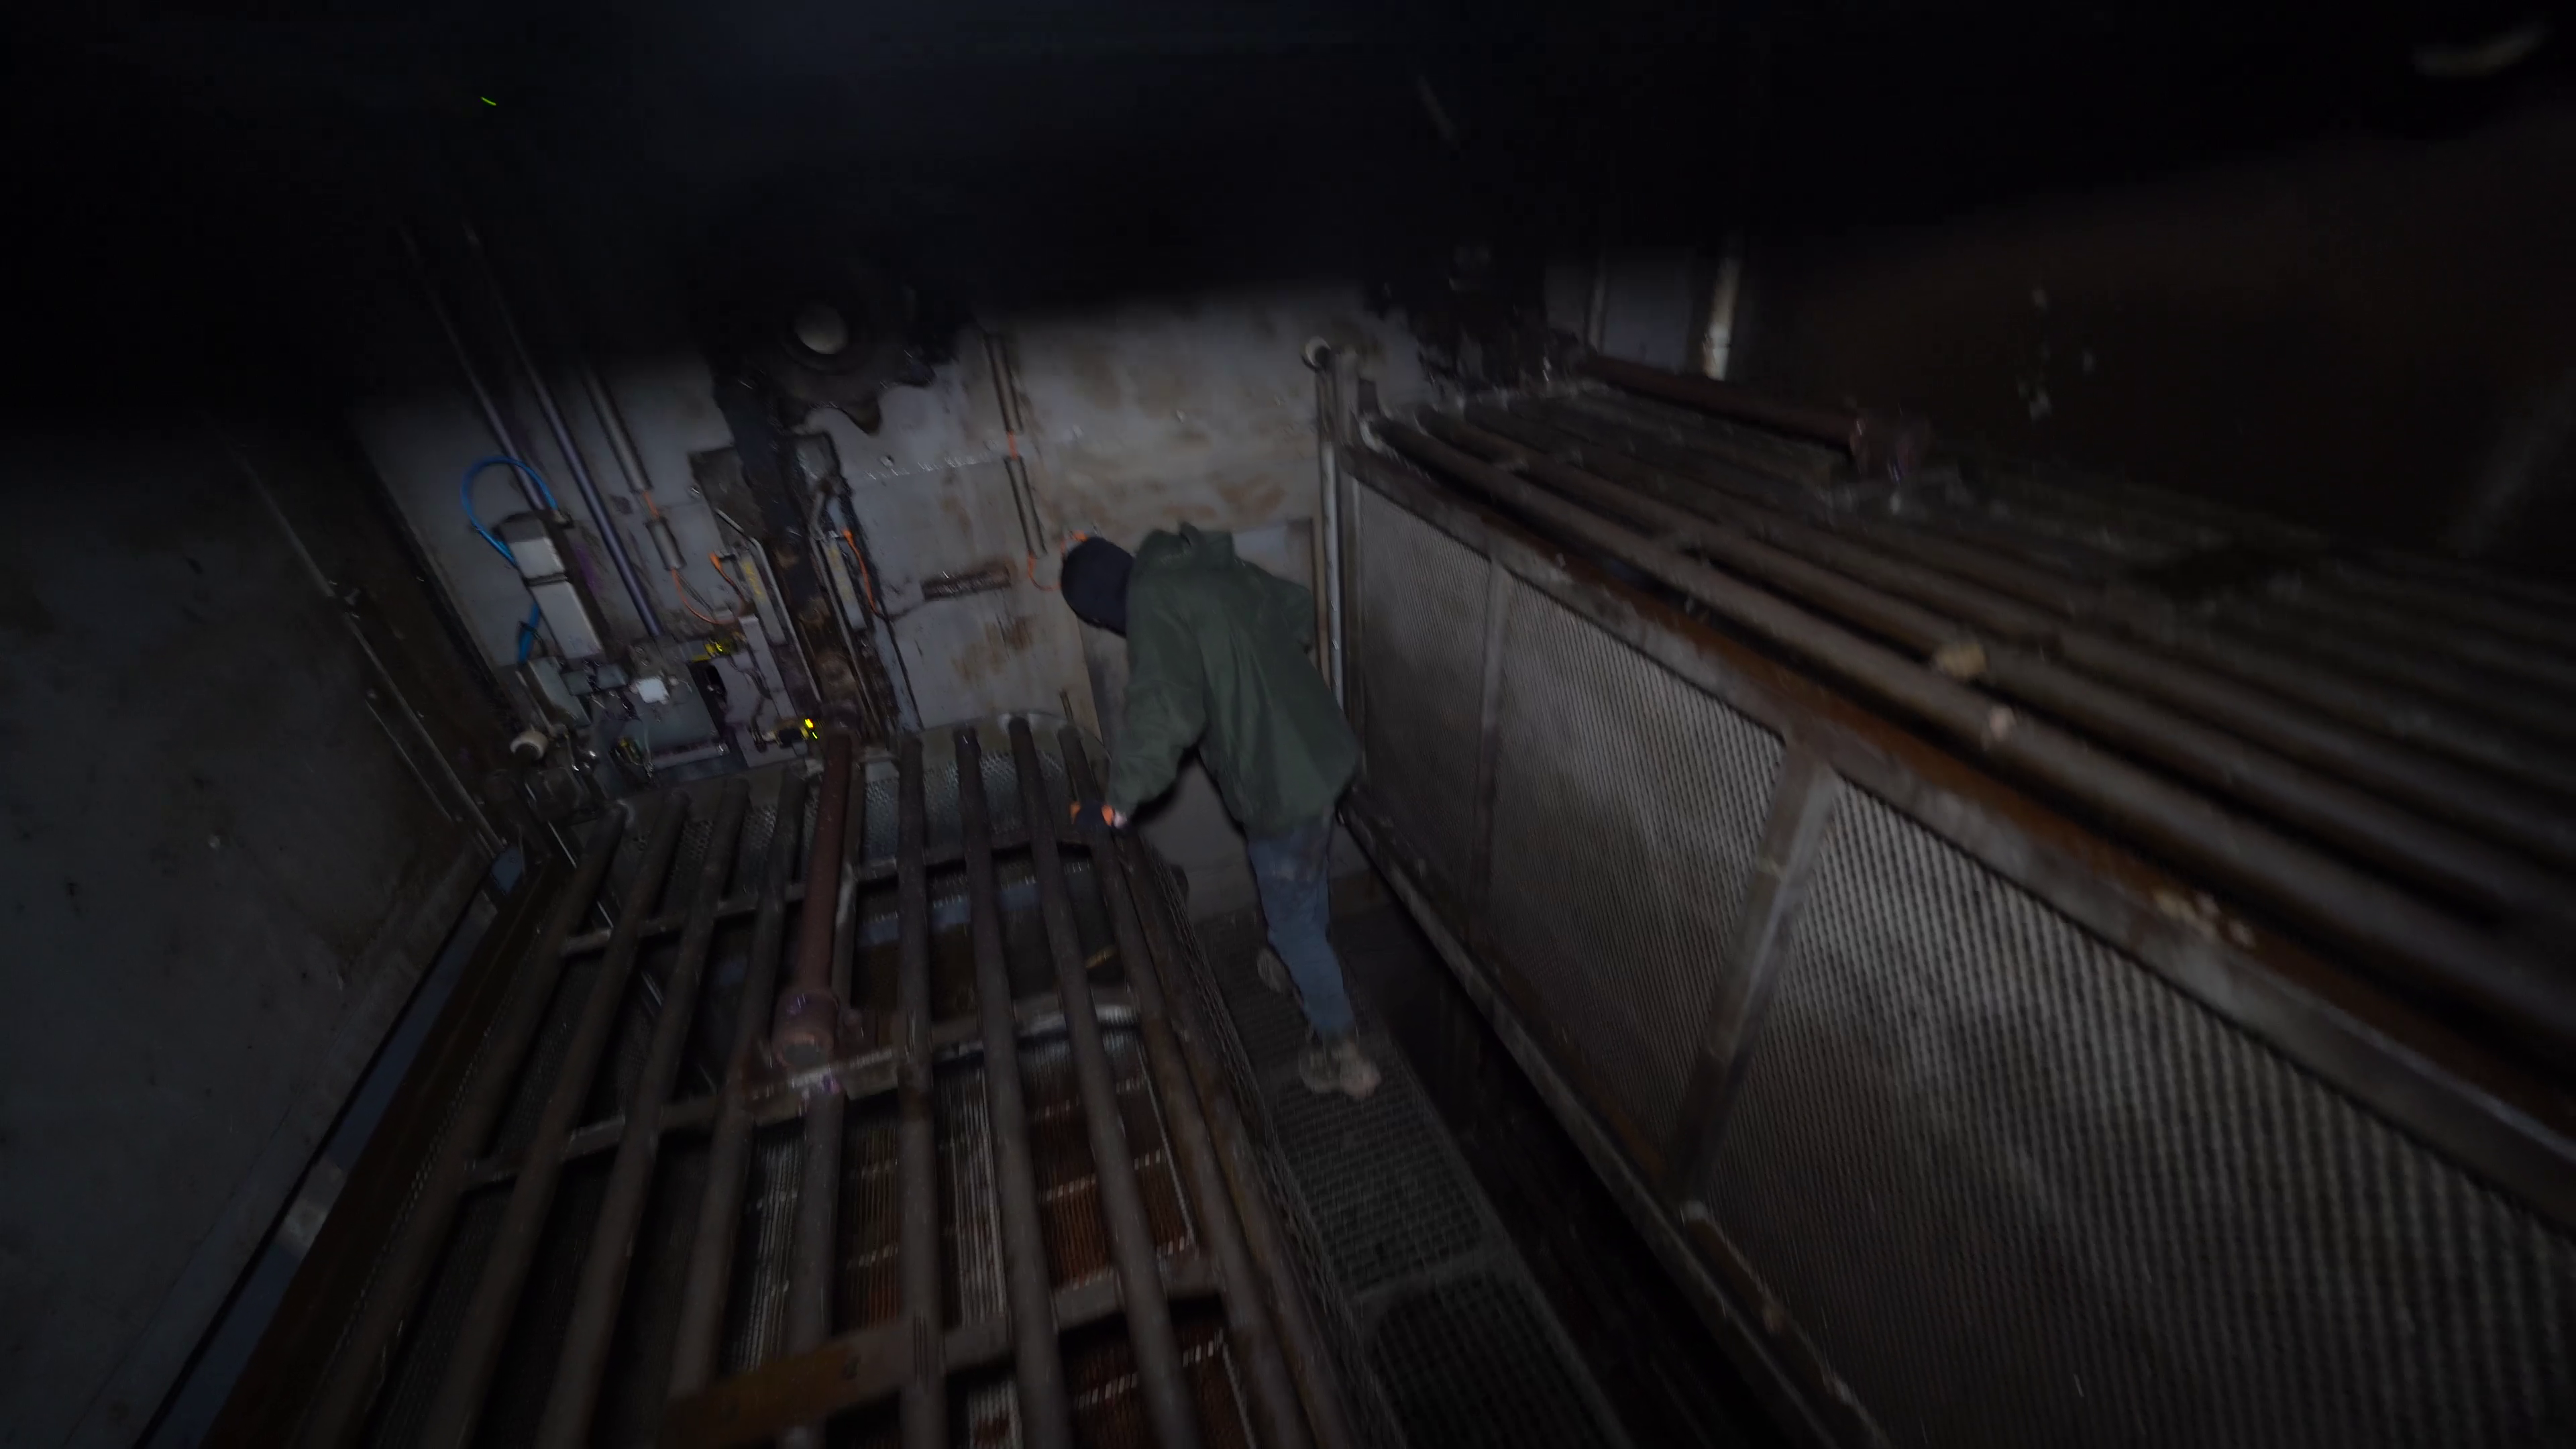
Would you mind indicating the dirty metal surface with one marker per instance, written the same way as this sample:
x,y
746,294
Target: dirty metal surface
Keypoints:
x,y
2000,1113
1455,1345
1610,772
2231,1254
661,1248
1424,597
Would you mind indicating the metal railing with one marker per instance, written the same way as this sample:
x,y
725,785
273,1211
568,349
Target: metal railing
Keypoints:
x,y
636,1199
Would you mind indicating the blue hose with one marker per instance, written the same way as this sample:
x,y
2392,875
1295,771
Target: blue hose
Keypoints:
x,y
465,494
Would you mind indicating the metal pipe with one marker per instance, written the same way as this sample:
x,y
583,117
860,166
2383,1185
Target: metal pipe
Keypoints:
x,y
1274,1393
813,1264
1015,469
1876,442
1169,1404
2418,944
636,593
340,1403
502,436
1853,592
375,662
575,1394
612,421
2358,820
806,1033
925,1391
2379,643
458,1406
1046,1415
2382,723
1310,1359
2553,631
1328,545
711,1250
1319,360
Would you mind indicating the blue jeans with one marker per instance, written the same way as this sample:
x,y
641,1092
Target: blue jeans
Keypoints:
x,y
1293,872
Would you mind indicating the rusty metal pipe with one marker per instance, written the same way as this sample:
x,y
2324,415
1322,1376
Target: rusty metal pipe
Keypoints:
x,y
458,1405
925,1389
813,1265
341,1400
2403,937
711,1249
575,1395
1880,593
1310,1359
1274,1393
1046,1414
1878,443
808,1026
2382,740
1169,1404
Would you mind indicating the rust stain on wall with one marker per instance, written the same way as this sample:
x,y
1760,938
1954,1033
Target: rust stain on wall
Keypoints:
x,y
996,648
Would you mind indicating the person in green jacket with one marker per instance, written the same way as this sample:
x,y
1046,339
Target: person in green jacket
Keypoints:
x,y
1216,658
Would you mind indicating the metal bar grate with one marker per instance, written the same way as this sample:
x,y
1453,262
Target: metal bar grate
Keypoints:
x,y
1019,1218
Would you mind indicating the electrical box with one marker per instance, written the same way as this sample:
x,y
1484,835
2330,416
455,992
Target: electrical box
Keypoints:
x,y
542,546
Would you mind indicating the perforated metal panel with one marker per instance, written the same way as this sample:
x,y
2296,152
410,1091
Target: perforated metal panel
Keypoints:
x,y
2020,1191
1422,645
1474,1351
1358,1168
1625,827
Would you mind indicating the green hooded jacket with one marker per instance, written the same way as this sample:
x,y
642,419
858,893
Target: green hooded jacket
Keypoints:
x,y
1216,658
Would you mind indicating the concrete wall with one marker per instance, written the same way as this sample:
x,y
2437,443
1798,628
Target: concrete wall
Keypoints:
x,y
227,855
1139,414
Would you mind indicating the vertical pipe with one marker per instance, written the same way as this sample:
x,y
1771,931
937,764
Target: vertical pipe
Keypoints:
x,y
711,1251
1169,1404
925,1391
502,435
1274,1393
1015,469
572,456
809,1015
1309,1357
612,421
1319,360
570,1403
813,1267
356,1368
459,1403
1046,1416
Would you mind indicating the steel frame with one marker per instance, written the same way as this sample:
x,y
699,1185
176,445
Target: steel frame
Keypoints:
x,y
1472,480
1234,1252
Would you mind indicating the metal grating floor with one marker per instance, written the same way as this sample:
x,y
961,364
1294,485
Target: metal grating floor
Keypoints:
x,y
1463,1345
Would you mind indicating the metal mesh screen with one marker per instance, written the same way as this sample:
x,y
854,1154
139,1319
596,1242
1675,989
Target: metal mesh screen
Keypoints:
x,y
1625,827
1472,1350
1422,644
2020,1191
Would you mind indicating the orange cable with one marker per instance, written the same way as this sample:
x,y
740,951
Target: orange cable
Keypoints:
x,y
867,584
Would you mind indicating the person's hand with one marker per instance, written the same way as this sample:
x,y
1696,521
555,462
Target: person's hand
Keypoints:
x,y
1103,812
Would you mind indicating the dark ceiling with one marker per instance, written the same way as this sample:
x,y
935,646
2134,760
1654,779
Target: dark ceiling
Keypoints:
x,y
197,180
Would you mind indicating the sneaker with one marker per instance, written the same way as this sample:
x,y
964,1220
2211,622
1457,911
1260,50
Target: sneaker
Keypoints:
x,y
1274,972
1340,1067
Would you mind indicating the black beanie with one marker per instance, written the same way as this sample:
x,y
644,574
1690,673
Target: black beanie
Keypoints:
x,y
1095,583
